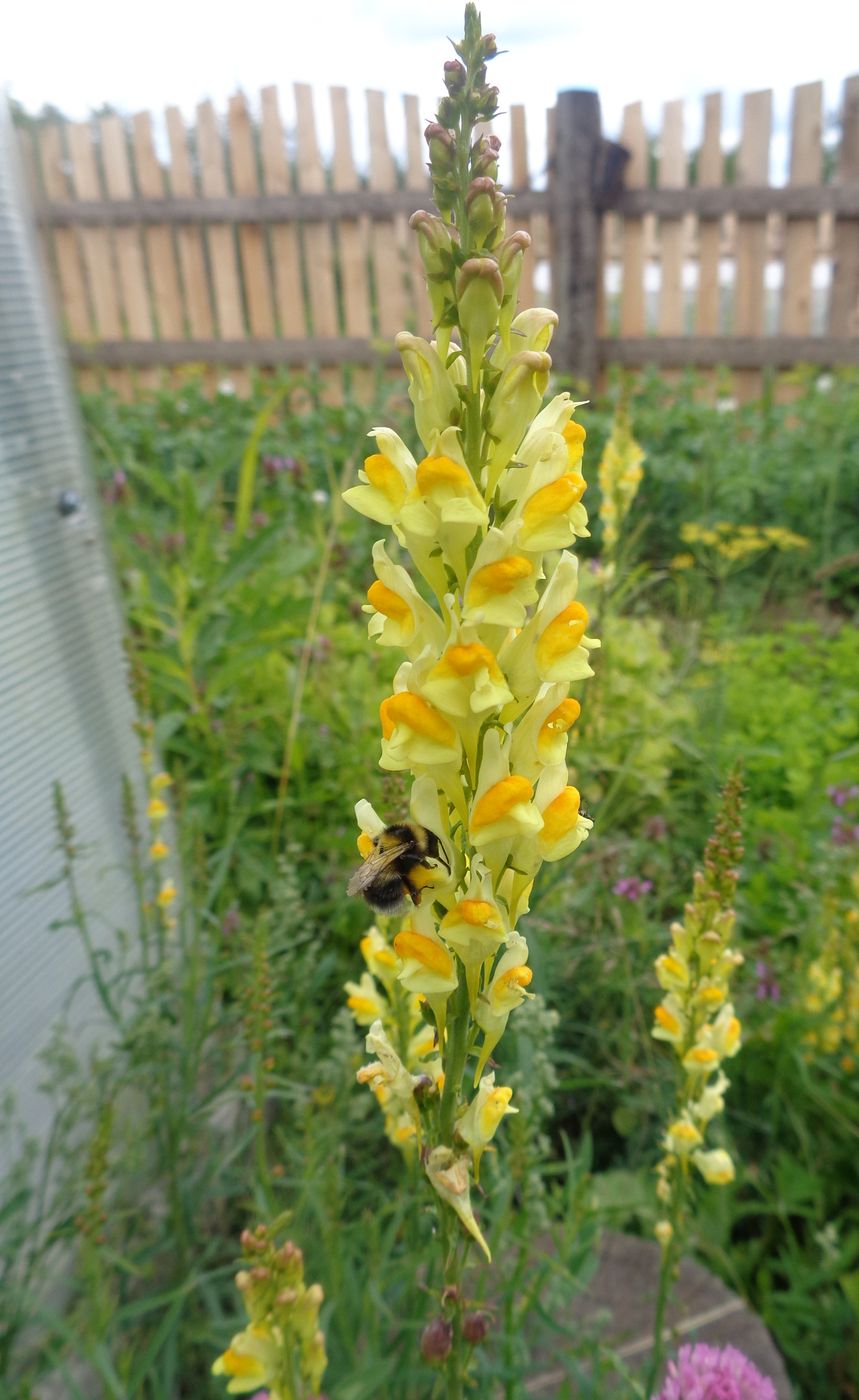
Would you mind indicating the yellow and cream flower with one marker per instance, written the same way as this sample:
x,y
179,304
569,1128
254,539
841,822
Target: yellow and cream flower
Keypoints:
x,y
399,616
502,582
478,1123
385,481
504,992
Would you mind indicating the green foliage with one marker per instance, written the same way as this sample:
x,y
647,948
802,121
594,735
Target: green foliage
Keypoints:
x,y
242,585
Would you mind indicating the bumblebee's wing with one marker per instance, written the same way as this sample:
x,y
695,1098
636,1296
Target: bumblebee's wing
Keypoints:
x,y
373,867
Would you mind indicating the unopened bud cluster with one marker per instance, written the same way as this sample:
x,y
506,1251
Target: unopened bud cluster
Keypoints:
x,y
282,1349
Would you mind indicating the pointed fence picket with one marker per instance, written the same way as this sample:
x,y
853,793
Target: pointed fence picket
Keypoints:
x,y
242,245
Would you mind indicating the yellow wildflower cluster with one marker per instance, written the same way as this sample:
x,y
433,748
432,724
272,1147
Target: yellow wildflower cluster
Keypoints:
x,y
735,543
157,812
491,639
620,474
696,1016
282,1348
832,995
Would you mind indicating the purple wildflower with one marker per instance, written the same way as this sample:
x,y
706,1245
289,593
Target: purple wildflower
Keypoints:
x,y
767,988
703,1372
632,888
840,794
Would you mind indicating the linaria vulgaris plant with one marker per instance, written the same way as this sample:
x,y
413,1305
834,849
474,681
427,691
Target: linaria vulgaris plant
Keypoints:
x,y
492,637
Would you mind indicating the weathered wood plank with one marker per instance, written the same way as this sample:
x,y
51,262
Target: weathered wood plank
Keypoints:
x,y
672,175
286,252
634,137
844,300
192,257
253,252
575,234
318,248
752,169
387,240
157,238
710,175
800,239
521,180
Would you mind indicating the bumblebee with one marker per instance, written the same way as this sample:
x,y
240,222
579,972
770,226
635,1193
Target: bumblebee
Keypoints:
x,y
401,864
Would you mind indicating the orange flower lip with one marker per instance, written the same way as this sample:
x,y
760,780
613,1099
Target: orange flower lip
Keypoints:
x,y
386,601
464,660
560,720
560,816
478,912
666,1020
443,471
433,956
409,709
500,799
500,577
553,501
563,634
382,474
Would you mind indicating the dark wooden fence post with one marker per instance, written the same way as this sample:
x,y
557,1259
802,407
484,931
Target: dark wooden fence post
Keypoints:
x,y
575,233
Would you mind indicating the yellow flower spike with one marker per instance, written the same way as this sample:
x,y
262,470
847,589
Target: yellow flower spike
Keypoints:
x,y
156,811
166,895
159,850
448,1175
478,1122
715,1166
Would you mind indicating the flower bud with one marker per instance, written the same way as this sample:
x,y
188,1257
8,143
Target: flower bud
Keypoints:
x,y
484,157
479,292
437,1340
663,1230
475,1327
489,46
454,76
511,256
486,207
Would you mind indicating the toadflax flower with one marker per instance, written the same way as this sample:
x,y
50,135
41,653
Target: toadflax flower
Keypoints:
x,y
477,600
702,1372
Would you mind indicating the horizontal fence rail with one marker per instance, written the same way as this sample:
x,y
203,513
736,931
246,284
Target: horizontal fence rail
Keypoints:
x,y
247,247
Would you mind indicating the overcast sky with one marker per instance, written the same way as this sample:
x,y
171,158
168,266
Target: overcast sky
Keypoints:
x,y
77,54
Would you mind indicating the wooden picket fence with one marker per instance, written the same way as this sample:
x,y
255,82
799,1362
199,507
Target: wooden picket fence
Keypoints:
x,y
250,249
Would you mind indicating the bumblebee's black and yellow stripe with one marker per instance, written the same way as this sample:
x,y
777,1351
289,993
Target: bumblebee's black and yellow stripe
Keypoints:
x,y
400,866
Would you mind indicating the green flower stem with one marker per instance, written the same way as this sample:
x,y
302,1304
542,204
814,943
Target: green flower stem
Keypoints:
x,y
667,1275
455,1059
